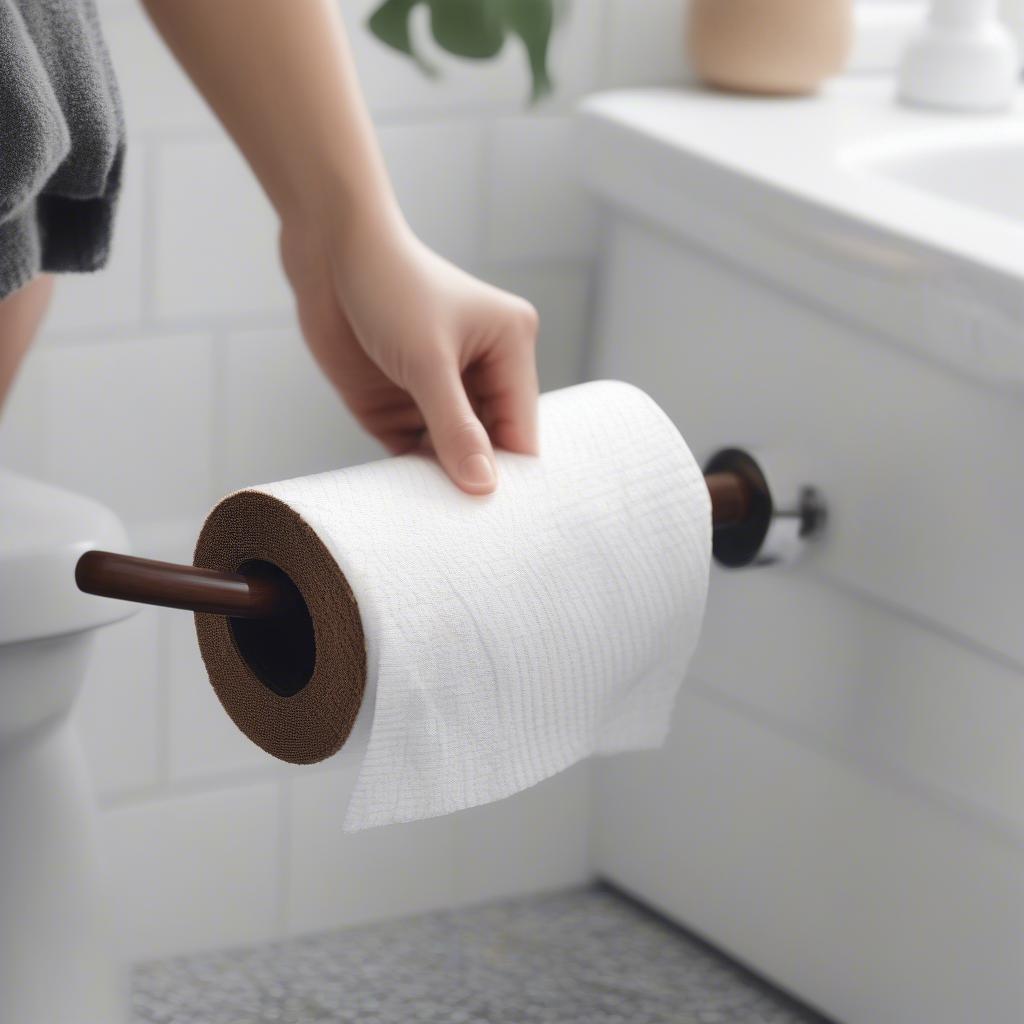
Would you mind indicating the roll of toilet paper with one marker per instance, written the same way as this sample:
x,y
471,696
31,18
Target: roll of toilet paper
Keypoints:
x,y
476,645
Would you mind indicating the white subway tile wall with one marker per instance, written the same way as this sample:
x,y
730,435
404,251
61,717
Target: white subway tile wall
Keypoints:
x,y
196,871
338,878
119,708
159,101
215,236
535,210
202,742
178,374
437,171
534,841
24,429
646,41
281,417
131,424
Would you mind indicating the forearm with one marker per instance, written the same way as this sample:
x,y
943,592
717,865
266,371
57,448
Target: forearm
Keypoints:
x,y
280,76
411,342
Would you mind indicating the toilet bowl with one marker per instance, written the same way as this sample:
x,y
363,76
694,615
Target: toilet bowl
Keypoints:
x,y
57,964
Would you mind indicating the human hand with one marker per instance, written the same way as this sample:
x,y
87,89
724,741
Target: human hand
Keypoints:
x,y
417,348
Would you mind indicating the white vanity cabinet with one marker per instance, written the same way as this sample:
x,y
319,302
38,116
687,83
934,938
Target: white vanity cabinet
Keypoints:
x,y
841,802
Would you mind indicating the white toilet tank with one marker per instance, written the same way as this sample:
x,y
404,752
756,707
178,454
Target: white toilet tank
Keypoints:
x,y
841,802
46,623
56,963
43,532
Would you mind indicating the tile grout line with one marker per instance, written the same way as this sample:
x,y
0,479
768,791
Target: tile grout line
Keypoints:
x,y
218,414
284,866
256,322
163,697
387,118
150,195
160,327
198,785
604,58
486,194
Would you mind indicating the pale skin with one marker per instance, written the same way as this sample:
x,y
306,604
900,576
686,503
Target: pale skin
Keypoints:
x,y
420,351
20,317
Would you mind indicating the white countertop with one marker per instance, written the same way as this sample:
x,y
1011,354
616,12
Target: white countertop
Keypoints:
x,y
810,148
786,185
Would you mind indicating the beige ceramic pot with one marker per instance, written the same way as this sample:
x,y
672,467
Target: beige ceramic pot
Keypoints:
x,y
769,46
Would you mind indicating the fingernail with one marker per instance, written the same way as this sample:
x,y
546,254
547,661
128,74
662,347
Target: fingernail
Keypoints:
x,y
476,471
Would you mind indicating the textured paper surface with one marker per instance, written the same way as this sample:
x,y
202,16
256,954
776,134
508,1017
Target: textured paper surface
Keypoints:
x,y
509,637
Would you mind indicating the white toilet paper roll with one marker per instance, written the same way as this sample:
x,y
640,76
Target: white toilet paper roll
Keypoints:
x,y
505,637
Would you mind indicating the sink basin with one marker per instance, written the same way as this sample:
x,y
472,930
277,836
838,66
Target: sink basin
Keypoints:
x,y
985,176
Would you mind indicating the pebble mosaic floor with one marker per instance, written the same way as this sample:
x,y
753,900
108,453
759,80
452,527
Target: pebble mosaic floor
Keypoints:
x,y
581,957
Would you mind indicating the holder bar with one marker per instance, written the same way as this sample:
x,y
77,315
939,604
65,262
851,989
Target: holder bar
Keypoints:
x,y
730,498
168,585
251,596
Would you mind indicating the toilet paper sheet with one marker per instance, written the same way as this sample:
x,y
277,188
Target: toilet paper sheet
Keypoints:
x,y
485,643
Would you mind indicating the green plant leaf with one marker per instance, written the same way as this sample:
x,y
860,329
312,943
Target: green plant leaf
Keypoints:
x,y
390,24
468,28
533,21
476,29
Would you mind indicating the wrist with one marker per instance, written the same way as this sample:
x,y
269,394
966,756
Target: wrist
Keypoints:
x,y
341,236
338,221
332,200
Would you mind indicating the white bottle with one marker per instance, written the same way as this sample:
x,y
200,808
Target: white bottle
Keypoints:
x,y
1012,14
963,59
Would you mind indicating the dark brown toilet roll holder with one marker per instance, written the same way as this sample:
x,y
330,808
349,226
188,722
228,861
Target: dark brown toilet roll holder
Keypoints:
x,y
752,526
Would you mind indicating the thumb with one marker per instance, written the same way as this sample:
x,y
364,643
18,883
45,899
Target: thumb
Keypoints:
x,y
458,437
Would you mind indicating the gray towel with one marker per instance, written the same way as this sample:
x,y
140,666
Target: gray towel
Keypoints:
x,y
61,140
